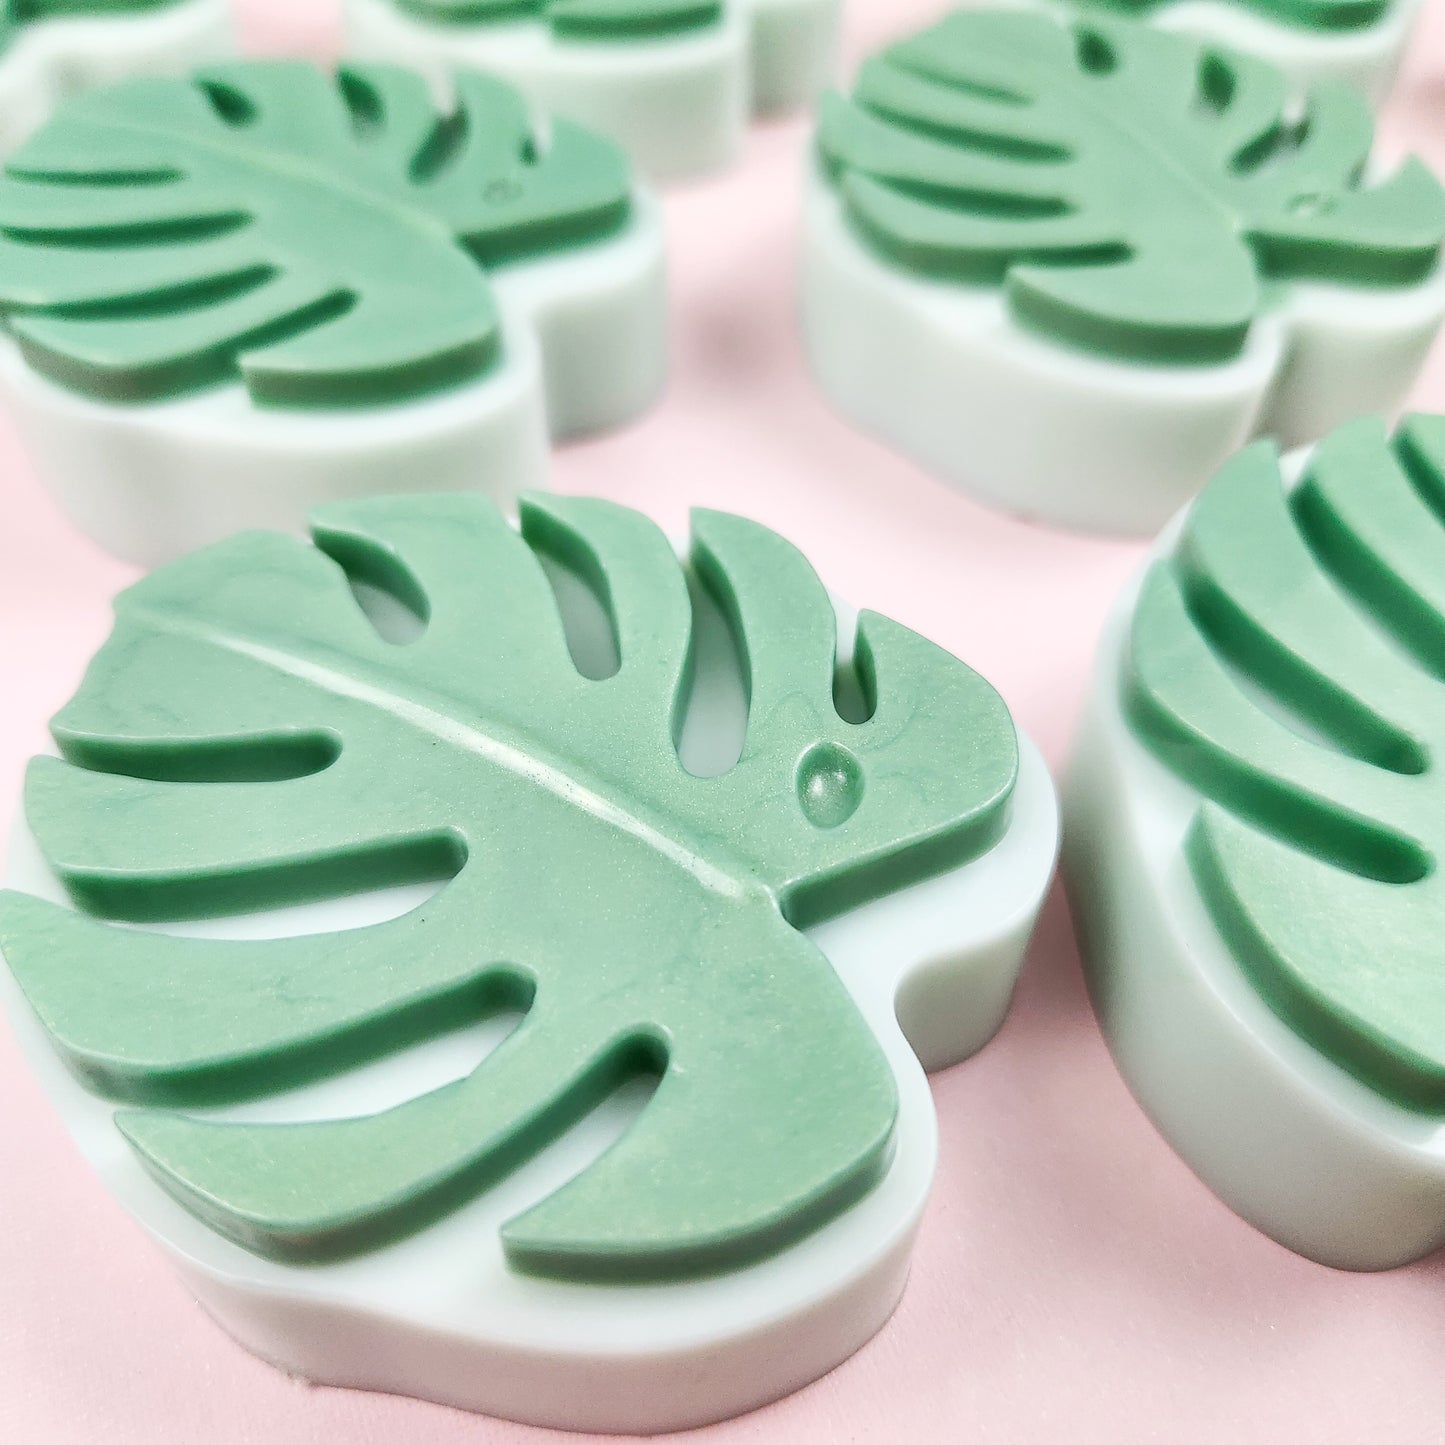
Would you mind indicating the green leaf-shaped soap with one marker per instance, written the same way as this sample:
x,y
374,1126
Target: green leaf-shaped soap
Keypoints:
x,y
1288,661
246,738
1135,193
327,239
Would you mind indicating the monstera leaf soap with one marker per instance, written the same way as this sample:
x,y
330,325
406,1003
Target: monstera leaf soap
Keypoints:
x,y
232,297
674,81
500,966
1072,267
1253,825
50,49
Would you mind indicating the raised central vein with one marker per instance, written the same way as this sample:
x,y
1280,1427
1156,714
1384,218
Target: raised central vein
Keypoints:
x,y
1168,157
319,172
512,755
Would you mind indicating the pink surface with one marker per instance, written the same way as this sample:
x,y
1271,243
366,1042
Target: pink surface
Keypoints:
x,y
1073,1281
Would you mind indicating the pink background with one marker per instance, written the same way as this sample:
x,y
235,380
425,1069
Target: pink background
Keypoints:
x,y
1073,1281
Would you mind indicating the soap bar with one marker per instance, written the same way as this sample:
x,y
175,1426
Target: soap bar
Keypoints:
x,y
673,81
233,297
1072,267
533,945
1359,42
50,49
1252,819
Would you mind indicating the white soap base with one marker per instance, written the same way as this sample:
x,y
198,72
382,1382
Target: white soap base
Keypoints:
x,y
793,52
584,348
440,1316
53,59
679,105
1290,1141
1366,58
941,371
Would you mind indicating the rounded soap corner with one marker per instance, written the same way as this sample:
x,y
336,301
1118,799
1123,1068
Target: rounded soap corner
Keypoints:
x,y
950,1005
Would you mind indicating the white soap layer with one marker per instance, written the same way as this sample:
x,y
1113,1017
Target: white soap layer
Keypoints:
x,y
439,1315
678,104
584,348
1290,1141
54,59
941,371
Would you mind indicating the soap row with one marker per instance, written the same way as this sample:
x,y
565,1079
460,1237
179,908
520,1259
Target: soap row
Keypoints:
x,y
1070,266
498,958
674,81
